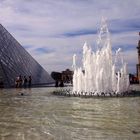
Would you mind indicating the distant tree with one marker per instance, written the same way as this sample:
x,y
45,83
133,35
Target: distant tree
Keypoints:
x,y
57,76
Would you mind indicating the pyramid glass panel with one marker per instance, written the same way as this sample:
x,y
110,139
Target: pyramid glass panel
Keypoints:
x,y
15,61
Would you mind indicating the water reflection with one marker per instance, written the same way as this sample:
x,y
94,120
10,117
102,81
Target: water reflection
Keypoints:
x,y
40,115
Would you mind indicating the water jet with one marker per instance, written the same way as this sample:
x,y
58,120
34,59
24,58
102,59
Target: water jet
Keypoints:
x,y
100,73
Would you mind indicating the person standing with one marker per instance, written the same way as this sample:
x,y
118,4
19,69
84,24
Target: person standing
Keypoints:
x,y
25,82
29,81
17,82
20,81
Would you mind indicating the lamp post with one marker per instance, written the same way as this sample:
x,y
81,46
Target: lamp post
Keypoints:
x,y
138,65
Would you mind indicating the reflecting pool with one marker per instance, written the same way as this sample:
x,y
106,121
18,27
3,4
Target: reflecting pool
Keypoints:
x,y
40,115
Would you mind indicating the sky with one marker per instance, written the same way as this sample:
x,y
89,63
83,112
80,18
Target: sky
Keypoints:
x,y
53,30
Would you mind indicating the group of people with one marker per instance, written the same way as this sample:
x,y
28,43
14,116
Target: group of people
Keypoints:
x,y
23,81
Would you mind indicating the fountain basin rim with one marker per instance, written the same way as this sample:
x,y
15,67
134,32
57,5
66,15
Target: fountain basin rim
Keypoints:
x,y
69,93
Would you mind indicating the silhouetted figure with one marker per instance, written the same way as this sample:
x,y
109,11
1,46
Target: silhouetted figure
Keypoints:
x,y
20,81
29,81
61,84
17,82
1,84
56,83
25,82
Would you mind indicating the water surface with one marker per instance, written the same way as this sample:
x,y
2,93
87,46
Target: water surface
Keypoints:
x,y
40,115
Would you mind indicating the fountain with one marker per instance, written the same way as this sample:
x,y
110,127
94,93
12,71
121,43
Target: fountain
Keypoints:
x,y
99,74
102,73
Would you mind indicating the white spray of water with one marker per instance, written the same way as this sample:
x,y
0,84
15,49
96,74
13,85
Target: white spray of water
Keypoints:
x,y
99,74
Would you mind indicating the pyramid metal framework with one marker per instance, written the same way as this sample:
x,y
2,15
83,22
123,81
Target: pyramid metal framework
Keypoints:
x,y
15,61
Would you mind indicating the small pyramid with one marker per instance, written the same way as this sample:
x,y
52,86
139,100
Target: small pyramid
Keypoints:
x,y
15,61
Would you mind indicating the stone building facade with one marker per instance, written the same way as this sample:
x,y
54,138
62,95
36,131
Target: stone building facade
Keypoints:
x,y
65,77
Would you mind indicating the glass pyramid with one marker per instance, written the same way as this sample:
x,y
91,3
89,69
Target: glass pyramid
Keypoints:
x,y
15,61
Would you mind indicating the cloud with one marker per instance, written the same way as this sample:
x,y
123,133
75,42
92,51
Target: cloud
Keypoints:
x,y
52,31
80,33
